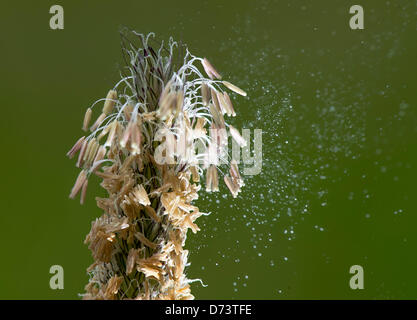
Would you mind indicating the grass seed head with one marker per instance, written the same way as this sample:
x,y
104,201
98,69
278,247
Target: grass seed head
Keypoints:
x,y
138,242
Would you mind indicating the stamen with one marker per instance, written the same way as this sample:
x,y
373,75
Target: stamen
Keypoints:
x,y
110,102
237,137
77,146
87,118
82,177
81,154
83,191
234,88
231,110
205,93
210,70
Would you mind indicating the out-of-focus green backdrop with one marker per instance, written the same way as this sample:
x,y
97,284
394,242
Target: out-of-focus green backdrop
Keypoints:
x,y
338,112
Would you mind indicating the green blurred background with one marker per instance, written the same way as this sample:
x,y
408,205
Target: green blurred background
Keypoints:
x,y
338,112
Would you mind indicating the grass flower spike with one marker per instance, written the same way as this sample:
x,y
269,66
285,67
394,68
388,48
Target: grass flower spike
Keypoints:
x,y
150,145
